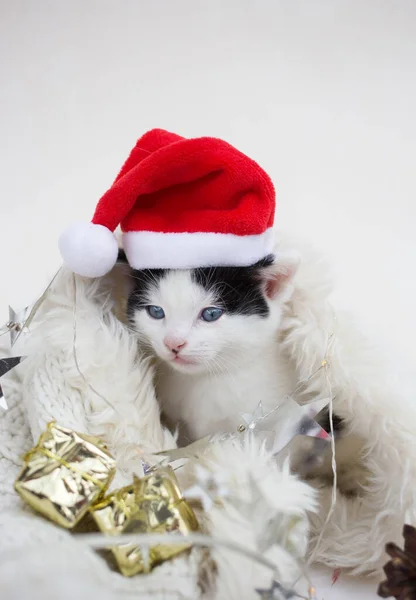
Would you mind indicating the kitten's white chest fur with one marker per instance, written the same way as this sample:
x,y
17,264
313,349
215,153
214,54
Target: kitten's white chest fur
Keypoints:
x,y
214,402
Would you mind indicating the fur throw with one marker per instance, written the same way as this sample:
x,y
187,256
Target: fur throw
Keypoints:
x,y
375,476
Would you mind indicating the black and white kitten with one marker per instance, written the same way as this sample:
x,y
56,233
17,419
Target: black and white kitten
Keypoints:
x,y
215,334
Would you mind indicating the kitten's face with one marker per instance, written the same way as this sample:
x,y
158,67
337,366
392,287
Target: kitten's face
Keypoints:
x,y
205,319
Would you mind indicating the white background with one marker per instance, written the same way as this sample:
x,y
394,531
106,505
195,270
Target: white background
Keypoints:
x,y
321,93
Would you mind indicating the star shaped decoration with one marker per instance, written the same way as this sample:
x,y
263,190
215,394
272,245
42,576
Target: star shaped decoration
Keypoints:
x,y
209,488
6,365
276,592
252,419
297,420
292,419
193,450
146,468
255,422
288,420
19,321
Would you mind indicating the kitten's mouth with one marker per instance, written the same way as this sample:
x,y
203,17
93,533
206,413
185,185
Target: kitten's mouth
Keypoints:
x,y
182,360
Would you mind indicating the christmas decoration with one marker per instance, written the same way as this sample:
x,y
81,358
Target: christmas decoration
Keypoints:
x,y
16,323
182,203
193,450
401,570
67,474
146,468
19,321
64,474
152,504
6,365
289,419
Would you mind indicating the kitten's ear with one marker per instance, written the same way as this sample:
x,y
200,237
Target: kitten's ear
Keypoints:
x,y
277,277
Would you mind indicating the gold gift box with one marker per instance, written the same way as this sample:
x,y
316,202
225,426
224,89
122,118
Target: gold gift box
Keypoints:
x,y
151,504
64,474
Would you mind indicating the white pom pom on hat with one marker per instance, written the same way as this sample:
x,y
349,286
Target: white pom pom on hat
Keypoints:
x,y
88,249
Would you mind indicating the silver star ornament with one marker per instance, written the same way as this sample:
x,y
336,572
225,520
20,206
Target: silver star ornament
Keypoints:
x,y
6,365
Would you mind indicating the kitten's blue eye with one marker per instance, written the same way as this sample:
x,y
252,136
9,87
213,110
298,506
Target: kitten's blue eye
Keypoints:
x,y
156,312
211,314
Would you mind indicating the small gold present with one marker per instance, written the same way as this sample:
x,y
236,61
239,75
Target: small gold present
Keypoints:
x,y
64,474
152,504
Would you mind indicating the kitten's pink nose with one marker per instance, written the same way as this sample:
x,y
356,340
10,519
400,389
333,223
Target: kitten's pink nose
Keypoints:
x,y
174,344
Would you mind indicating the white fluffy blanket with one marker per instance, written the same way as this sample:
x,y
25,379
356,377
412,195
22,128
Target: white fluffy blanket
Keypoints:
x,y
38,558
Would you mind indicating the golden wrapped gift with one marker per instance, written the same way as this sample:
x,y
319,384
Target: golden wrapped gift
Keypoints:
x,y
64,474
151,504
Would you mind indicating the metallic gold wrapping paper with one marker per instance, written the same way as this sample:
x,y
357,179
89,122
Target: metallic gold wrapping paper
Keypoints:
x,y
151,504
64,474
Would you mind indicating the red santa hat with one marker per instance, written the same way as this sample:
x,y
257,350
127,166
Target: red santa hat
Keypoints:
x,y
181,203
